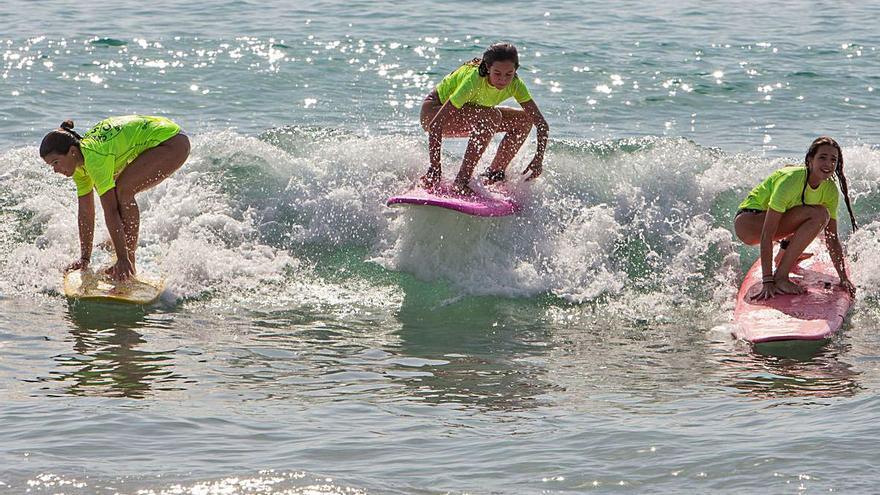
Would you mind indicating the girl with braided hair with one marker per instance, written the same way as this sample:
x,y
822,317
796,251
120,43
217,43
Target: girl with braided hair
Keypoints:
x,y
119,158
464,104
794,204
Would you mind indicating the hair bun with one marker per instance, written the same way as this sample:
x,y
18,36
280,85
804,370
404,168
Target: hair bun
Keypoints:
x,y
67,125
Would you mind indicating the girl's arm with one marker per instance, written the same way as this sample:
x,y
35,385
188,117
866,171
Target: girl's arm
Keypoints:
x,y
832,241
435,140
537,164
86,223
123,269
768,232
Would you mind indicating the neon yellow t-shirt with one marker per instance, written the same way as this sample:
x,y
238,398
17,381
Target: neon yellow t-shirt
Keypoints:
x,y
114,143
466,86
781,191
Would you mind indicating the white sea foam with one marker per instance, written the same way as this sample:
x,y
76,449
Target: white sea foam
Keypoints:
x,y
259,222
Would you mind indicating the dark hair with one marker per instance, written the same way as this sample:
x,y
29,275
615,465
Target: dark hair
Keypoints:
x,y
814,148
499,52
60,140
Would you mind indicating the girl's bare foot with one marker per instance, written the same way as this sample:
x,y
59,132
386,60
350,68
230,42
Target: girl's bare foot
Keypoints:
x,y
492,177
430,180
462,189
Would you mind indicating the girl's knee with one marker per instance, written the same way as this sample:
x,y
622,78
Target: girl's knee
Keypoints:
x,y
489,121
820,214
425,119
497,118
525,127
124,193
182,144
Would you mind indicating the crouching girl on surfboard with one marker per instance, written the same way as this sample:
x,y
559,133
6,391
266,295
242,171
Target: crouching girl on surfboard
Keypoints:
x,y
464,105
118,157
795,204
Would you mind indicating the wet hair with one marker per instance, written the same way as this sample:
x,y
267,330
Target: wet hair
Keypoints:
x,y
499,52
838,171
60,140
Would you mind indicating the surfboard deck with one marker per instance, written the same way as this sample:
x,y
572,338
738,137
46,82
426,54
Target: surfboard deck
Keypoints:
x,y
96,286
492,201
814,315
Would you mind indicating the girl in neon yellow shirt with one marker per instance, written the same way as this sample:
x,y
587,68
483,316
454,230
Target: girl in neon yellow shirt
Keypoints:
x,y
119,157
464,105
795,204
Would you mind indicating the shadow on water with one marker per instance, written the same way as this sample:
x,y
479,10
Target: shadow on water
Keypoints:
x,y
794,350
791,369
494,349
107,360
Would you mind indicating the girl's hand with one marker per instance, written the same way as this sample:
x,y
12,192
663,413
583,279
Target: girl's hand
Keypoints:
x,y
79,264
767,292
770,290
535,167
121,271
846,284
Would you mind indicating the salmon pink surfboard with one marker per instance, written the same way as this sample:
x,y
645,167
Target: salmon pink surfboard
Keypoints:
x,y
814,315
490,202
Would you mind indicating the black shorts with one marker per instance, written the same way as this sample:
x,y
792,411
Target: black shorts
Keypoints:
x,y
747,210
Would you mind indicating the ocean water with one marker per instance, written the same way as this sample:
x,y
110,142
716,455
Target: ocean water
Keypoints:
x,y
313,341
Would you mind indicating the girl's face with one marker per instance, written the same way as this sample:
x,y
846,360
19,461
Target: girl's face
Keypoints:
x,y
824,162
64,164
501,73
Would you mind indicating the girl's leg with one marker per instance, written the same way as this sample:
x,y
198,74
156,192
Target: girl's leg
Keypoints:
x,y
517,125
456,127
482,122
748,225
471,121
147,170
801,223
802,235
430,106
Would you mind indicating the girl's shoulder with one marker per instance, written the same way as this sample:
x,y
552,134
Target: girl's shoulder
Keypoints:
x,y
466,70
107,129
791,172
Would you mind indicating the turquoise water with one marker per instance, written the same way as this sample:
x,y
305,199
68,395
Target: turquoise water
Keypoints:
x,y
312,340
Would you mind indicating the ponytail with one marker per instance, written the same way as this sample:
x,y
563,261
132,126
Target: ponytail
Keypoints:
x,y
67,125
60,140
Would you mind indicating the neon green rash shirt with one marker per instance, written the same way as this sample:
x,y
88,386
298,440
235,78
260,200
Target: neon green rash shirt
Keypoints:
x,y
465,85
781,191
112,144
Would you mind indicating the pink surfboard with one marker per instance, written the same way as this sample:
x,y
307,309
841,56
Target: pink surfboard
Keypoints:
x,y
491,202
814,315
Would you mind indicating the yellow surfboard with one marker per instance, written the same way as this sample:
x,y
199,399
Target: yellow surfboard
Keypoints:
x,y
96,286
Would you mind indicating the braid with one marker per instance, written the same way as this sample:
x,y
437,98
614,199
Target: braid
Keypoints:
x,y
845,190
804,191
